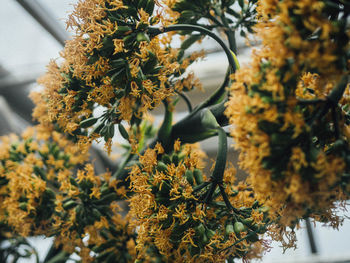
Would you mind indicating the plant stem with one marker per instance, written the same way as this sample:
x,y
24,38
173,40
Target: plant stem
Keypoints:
x,y
216,96
219,168
230,34
164,131
121,168
332,100
156,31
187,100
310,102
226,200
215,20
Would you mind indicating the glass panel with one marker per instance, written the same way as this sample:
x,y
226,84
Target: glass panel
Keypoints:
x,y
25,45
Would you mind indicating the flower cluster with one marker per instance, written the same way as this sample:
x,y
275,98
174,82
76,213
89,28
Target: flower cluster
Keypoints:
x,y
40,194
63,103
114,61
171,214
27,165
293,129
290,117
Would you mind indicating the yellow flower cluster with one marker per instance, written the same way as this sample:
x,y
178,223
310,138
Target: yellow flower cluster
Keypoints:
x,y
41,195
63,101
172,218
113,62
27,165
88,218
292,131
290,116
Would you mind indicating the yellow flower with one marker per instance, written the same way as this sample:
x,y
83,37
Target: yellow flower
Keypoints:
x,y
279,137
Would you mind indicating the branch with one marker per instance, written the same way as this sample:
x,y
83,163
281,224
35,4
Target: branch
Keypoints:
x,y
156,31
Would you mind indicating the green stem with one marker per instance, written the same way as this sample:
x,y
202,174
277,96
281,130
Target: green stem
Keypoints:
x,y
200,187
216,96
230,34
156,31
319,114
195,137
215,20
332,100
221,91
121,168
310,102
166,127
187,100
219,168
210,193
226,200
55,253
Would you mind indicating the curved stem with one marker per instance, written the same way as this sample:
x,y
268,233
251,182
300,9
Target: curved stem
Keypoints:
x,y
187,100
216,96
219,168
220,92
156,31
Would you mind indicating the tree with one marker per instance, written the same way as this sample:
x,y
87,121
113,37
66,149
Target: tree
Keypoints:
x,y
289,116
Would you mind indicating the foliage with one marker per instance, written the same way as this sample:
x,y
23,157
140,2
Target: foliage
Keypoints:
x,y
288,110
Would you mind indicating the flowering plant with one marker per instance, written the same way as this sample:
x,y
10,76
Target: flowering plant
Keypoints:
x,y
288,110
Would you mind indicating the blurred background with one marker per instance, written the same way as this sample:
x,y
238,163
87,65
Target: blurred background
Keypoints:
x,y
33,31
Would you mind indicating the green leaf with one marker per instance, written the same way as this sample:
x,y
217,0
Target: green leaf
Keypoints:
x,y
88,122
123,131
149,7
